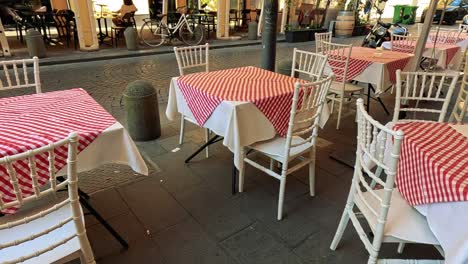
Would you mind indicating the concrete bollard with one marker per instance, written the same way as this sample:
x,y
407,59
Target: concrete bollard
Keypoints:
x,y
131,38
253,27
142,111
35,44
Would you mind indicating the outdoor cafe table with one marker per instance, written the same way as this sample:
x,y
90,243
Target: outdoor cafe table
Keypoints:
x,y
377,70
432,176
243,105
448,56
34,121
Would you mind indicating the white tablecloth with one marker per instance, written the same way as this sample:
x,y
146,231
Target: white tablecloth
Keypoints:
x,y
448,221
440,55
239,123
113,145
376,74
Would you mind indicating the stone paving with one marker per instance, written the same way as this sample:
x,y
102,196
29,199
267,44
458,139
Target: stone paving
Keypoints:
x,y
185,213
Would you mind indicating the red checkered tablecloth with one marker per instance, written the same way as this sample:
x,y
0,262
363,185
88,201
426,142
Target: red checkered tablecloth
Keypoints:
x,y
270,92
362,57
433,166
33,121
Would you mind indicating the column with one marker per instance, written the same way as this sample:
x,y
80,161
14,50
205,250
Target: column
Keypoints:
x,y
86,24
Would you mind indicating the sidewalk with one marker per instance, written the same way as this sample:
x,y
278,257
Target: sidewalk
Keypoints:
x,y
63,55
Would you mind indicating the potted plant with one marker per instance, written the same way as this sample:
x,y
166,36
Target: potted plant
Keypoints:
x,y
293,33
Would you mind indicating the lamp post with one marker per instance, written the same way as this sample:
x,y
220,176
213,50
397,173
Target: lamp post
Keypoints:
x,y
268,55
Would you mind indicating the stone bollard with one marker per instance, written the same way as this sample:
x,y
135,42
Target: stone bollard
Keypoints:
x,y
35,44
142,111
131,38
284,67
253,27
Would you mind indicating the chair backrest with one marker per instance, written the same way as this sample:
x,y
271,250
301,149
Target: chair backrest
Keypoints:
x,y
423,93
461,104
444,36
309,63
371,147
14,74
463,28
307,105
405,44
420,28
319,38
192,57
29,161
338,59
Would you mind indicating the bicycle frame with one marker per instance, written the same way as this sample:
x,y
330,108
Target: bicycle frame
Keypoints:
x,y
182,20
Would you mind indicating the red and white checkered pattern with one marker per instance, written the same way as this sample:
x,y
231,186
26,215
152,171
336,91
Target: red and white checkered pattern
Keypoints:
x,y
450,53
33,121
355,67
270,92
395,65
433,166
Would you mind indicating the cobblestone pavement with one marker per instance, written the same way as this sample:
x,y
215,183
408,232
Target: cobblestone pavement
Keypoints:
x,y
185,213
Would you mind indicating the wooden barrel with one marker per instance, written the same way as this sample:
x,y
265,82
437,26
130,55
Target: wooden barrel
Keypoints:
x,y
344,24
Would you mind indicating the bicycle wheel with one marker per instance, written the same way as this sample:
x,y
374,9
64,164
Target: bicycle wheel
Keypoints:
x,y
153,33
191,38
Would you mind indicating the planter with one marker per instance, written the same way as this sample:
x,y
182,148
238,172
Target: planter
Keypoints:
x,y
299,35
317,30
359,30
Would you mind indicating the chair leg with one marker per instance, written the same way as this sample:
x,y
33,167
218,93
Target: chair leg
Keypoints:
x,y
340,108
182,125
312,172
272,164
242,171
333,104
207,137
401,247
341,228
281,195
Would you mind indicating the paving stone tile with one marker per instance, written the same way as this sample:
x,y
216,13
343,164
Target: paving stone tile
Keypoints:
x,y
127,225
142,253
255,245
108,203
186,242
153,206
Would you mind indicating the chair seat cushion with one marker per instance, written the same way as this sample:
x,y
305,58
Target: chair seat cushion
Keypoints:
x,y
403,221
274,148
26,230
337,86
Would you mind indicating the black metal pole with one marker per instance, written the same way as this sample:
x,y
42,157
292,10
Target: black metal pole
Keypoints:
x,y
270,9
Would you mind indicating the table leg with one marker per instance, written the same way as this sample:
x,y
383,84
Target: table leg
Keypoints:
x,y
234,179
214,139
380,100
105,24
101,39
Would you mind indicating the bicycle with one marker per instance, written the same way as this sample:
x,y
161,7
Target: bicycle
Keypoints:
x,y
154,32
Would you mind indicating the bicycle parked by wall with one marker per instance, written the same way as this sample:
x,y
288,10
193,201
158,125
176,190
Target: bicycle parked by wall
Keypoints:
x,y
154,32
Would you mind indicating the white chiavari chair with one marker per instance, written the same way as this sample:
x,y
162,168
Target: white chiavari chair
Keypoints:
x,y
48,234
444,36
192,57
300,139
386,212
423,93
338,60
308,63
420,28
14,74
320,38
461,104
405,44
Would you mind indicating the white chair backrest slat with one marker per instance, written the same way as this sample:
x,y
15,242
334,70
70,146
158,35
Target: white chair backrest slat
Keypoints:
x,y
320,38
12,78
307,105
338,59
192,57
426,89
371,146
444,36
13,164
405,44
461,104
308,63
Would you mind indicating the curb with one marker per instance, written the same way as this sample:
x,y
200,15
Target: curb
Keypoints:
x,y
130,54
